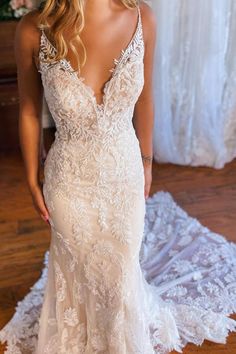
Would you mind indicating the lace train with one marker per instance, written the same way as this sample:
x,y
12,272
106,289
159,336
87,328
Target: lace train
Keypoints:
x,y
189,277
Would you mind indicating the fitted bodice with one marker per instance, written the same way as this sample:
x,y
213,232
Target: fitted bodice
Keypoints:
x,y
89,134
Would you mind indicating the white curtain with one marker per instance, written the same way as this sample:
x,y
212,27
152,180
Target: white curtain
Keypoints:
x,y
195,82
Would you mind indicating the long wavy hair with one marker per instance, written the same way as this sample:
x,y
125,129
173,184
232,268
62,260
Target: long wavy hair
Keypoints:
x,y
67,14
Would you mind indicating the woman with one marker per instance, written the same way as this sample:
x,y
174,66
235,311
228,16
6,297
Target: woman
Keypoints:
x,y
97,176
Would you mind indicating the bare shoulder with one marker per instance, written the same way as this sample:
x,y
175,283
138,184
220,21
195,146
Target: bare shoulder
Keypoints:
x,y
148,20
27,31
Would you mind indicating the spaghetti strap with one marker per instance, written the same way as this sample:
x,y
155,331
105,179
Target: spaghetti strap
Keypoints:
x,y
139,16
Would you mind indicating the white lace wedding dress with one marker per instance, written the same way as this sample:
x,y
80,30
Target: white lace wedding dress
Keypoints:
x,y
122,276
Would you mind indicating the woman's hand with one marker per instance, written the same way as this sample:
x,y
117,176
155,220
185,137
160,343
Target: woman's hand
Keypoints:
x,y
148,179
39,203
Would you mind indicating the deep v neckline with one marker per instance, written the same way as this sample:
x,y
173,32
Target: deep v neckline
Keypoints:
x,y
66,64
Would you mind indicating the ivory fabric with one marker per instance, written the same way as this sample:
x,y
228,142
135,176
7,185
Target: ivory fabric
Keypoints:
x,y
122,275
195,82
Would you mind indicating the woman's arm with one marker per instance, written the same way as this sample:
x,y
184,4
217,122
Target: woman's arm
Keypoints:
x,y
144,108
30,95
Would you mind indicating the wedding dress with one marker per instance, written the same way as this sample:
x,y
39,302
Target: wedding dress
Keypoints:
x,y
122,275
195,82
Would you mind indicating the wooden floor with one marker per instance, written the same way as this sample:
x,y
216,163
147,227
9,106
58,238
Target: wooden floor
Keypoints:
x,y
205,193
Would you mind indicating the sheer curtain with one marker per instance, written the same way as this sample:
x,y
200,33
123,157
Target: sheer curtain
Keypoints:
x,y
195,82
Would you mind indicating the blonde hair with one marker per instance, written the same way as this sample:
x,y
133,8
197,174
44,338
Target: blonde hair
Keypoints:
x,y
67,14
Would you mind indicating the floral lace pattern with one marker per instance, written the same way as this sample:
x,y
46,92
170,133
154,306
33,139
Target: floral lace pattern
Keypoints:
x,y
122,276
195,82
187,279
